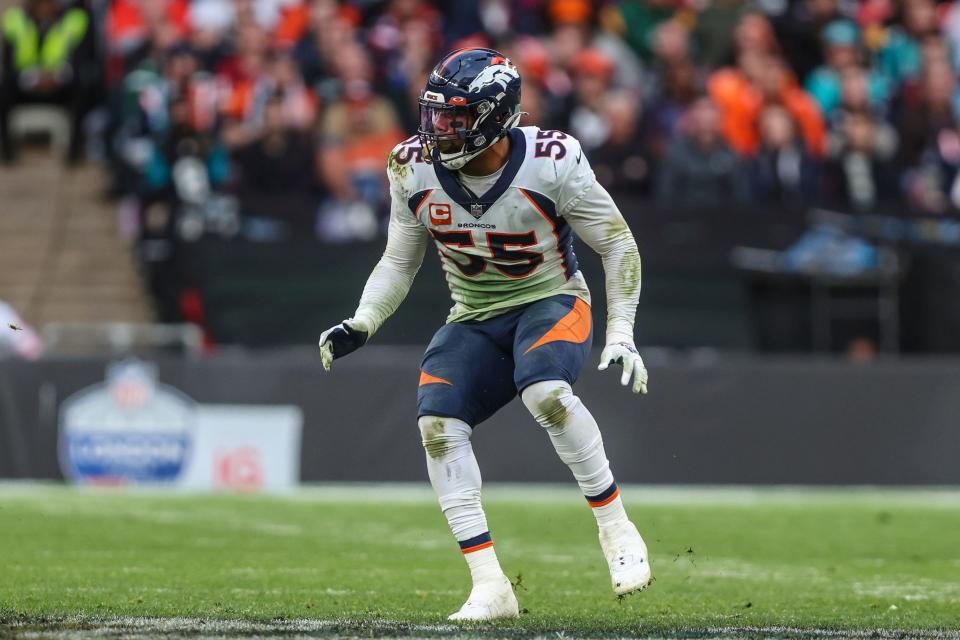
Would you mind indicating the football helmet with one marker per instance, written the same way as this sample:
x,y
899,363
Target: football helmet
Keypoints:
x,y
470,101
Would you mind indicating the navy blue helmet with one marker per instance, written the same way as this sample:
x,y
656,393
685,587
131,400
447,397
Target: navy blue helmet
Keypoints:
x,y
471,100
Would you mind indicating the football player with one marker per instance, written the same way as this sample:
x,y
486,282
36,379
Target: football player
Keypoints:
x,y
501,204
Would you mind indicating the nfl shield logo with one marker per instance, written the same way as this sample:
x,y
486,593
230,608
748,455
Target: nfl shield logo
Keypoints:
x,y
476,210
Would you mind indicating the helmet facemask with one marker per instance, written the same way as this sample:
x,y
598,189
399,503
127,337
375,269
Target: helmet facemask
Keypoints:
x,y
452,134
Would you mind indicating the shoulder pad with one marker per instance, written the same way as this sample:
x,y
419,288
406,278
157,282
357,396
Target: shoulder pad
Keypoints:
x,y
551,143
401,162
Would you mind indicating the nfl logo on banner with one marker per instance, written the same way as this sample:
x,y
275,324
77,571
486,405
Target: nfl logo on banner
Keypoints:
x,y
476,210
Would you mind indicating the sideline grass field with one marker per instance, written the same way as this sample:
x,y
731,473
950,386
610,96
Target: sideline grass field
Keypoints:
x,y
379,561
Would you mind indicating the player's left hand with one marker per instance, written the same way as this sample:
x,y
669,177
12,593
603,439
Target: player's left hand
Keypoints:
x,y
344,338
625,354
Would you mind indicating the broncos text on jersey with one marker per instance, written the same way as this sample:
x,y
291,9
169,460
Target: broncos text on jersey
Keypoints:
x,y
511,245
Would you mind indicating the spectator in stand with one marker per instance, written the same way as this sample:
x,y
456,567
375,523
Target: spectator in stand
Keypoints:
x,y
901,57
947,159
534,107
841,44
742,93
628,72
620,161
951,33
331,27
276,176
404,42
937,108
390,37
334,30
712,36
700,169
592,71
211,25
357,132
778,85
754,33
782,172
672,47
47,58
187,163
680,89
860,172
134,28
800,29
855,95
927,131
276,74
140,109
566,42
637,23
242,77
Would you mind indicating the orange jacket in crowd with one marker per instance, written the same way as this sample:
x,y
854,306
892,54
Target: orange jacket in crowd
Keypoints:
x,y
741,104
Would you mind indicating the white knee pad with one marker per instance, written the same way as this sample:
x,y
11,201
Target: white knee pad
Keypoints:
x,y
446,439
551,403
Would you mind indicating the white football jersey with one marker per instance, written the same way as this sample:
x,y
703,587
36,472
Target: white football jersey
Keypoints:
x,y
511,245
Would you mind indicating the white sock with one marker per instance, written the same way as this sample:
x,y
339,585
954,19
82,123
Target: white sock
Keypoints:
x,y
577,440
610,513
484,566
455,477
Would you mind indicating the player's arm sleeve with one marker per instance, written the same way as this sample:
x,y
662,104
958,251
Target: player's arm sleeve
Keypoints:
x,y
391,279
597,220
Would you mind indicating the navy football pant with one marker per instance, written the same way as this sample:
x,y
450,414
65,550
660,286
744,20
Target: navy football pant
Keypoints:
x,y
472,369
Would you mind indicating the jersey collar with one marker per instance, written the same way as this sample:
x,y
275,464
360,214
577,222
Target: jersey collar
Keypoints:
x,y
478,205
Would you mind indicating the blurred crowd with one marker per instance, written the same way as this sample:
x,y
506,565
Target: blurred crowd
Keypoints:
x,y
273,118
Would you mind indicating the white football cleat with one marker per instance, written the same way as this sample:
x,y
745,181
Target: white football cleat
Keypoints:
x,y
489,601
626,554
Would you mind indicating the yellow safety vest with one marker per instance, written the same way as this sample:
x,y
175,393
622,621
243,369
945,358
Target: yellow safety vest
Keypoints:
x,y
58,43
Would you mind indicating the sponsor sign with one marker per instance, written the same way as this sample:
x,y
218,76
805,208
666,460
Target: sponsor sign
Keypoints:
x,y
245,448
132,429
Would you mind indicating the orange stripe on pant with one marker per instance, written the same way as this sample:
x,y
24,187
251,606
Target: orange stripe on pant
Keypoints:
x,y
426,378
482,545
573,327
607,500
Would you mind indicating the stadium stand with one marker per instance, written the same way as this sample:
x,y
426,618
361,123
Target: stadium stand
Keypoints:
x,y
261,127
61,258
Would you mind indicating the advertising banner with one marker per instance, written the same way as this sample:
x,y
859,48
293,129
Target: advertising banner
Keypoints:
x,y
132,429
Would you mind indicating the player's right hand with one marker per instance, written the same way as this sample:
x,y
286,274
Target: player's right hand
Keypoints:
x,y
338,341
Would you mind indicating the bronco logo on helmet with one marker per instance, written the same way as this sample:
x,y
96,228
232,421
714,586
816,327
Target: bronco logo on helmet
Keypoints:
x,y
471,100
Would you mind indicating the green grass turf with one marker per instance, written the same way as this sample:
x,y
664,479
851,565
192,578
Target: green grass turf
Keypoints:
x,y
380,560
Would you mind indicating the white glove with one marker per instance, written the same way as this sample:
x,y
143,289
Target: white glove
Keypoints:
x,y
626,354
344,338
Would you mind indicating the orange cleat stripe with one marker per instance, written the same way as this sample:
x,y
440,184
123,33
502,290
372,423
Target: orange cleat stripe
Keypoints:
x,y
573,327
478,547
607,500
426,378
